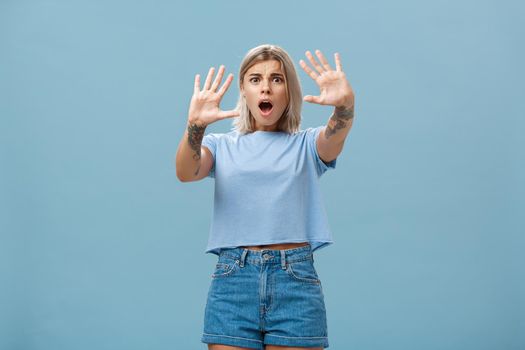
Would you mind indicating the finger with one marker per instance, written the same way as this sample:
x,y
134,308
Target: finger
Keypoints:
x,y
312,99
218,78
308,70
208,78
323,60
314,62
226,85
197,87
338,65
229,114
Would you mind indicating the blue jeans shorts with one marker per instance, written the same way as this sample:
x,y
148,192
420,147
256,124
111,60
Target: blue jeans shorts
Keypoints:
x,y
260,297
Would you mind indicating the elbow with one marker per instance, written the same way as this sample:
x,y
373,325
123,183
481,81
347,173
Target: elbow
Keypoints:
x,y
182,178
180,175
186,177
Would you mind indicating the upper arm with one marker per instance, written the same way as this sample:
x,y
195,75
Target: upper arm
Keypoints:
x,y
327,150
321,161
206,164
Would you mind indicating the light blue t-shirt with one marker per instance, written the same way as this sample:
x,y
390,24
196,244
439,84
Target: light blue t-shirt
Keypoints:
x,y
267,189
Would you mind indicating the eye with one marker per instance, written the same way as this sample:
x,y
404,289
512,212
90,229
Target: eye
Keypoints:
x,y
279,80
252,80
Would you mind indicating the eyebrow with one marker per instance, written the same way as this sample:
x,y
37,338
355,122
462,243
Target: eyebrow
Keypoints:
x,y
273,74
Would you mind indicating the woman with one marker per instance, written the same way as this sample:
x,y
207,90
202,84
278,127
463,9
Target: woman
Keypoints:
x,y
268,216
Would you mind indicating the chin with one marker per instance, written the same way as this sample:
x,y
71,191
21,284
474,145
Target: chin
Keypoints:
x,y
267,122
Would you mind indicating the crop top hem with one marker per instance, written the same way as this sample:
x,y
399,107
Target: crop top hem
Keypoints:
x,y
319,244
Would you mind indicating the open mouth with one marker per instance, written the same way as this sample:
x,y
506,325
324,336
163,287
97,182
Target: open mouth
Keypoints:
x,y
265,107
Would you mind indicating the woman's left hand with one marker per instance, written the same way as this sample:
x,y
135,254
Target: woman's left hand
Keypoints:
x,y
335,89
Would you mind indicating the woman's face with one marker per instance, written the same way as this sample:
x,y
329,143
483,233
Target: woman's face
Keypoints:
x,y
264,89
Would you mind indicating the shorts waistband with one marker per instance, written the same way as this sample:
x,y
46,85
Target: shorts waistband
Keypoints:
x,y
268,256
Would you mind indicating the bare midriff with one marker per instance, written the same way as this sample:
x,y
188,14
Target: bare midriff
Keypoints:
x,y
279,246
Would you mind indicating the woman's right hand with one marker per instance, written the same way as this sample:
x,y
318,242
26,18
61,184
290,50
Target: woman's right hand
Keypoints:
x,y
204,105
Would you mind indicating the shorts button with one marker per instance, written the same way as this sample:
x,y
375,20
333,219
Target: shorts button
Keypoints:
x,y
267,256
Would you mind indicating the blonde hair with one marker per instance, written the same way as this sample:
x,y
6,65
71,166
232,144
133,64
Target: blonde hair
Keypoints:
x,y
290,120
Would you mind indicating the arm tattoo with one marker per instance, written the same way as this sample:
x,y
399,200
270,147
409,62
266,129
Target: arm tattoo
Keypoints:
x,y
338,120
195,135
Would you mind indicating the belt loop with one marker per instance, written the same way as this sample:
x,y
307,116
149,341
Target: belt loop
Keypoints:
x,y
243,256
283,260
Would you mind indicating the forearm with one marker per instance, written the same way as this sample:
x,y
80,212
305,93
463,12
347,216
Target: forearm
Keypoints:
x,y
339,124
188,159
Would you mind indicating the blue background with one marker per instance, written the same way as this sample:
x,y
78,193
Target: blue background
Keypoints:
x,y
103,248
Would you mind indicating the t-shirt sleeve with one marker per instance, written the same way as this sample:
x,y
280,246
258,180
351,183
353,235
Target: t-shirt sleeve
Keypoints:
x,y
210,141
311,135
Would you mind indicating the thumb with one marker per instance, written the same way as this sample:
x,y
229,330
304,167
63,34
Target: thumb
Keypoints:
x,y
228,114
312,99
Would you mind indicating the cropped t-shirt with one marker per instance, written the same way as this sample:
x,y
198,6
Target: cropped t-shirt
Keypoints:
x,y
267,189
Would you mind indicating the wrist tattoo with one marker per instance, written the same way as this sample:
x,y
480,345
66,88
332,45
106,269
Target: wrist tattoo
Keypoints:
x,y
195,136
339,120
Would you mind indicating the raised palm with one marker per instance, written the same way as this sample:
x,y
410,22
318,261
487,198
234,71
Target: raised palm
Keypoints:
x,y
204,105
335,90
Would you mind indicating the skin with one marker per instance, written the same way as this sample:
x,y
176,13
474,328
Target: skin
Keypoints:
x,y
192,163
335,90
267,347
204,109
265,80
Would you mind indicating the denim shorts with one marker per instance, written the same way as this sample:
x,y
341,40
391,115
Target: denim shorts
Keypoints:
x,y
260,297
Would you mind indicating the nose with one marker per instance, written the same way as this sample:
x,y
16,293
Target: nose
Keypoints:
x,y
265,87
